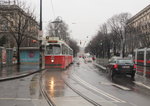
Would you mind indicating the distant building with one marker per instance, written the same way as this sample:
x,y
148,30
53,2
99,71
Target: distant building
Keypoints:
x,y
138,30
10,14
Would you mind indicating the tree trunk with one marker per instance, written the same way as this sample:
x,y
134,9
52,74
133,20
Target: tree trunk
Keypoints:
x,y
108,50
114,48
18,55
123,51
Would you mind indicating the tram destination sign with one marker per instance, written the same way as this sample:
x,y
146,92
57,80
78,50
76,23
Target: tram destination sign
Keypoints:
x,y
52,38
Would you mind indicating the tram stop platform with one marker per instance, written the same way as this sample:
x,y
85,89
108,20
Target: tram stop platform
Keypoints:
x,y
15,71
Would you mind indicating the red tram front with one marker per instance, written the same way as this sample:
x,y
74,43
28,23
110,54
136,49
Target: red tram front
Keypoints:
x,y
58,54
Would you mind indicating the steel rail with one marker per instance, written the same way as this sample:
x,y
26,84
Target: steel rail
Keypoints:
x,y
83,96
43,91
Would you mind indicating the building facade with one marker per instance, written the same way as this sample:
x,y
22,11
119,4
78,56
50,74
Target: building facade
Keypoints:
x,y
138,30
17,26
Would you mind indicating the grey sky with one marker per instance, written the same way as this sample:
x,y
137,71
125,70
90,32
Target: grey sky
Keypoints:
x,y
86,14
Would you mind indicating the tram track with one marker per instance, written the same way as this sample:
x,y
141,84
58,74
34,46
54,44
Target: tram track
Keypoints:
x,y
50,101
83,96
44,93
98,91
81,91
91,90
87,98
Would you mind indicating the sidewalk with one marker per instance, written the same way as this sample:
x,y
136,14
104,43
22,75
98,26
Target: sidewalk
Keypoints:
x,y
139,80
13,72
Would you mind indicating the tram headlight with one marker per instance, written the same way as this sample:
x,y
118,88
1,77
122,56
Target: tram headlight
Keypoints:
x,y
52,61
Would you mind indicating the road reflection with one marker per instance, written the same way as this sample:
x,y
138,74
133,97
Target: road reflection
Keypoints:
x,y
54,84
51,85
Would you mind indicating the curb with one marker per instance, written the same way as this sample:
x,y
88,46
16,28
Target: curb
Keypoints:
x,y
100,66
20,76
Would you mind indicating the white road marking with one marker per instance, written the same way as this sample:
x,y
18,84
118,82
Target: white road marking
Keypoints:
x,y
121,87
116,85
98,90
141,84
104,68
105,83
25,99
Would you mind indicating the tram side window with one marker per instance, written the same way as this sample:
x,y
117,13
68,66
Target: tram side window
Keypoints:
x,y
64,49
71,52
148,55
67,50
140,55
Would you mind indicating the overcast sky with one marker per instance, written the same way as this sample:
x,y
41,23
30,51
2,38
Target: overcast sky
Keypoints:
x,y
86,15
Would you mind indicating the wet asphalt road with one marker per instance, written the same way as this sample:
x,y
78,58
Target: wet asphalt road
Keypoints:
x,y
78,85
22,92
69,87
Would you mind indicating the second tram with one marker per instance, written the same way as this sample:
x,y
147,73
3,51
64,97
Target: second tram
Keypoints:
x,y
142,61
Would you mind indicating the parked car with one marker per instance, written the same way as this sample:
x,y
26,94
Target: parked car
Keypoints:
x,y
94,58
88,59
121,66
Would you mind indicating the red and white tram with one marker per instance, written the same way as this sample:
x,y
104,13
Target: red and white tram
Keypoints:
x,y
57,54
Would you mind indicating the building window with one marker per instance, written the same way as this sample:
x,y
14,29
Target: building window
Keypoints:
x,y
4,25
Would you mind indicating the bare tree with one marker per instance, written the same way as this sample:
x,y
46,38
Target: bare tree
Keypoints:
x,y
117,25
21,24
110,35
50,30
106,40
58,29
132,40
97,45
74,46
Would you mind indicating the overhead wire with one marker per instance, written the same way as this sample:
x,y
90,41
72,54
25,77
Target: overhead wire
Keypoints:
x,y
53,8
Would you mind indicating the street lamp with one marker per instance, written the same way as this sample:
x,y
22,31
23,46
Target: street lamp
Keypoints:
x,y
58,20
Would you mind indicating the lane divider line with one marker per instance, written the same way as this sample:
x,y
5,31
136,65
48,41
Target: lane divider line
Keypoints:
x,y
121,87
24,99
98,90
141,84
116,85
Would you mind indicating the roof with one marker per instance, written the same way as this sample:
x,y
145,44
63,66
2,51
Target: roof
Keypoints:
x,y
139,13
29,48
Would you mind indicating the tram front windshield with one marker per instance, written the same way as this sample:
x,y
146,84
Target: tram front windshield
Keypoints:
x,y
53,49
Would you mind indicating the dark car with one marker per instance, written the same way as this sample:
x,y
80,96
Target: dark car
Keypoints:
x,y
121,66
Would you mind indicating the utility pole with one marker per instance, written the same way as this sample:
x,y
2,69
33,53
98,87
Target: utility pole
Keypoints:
x,y
40,36
40,15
